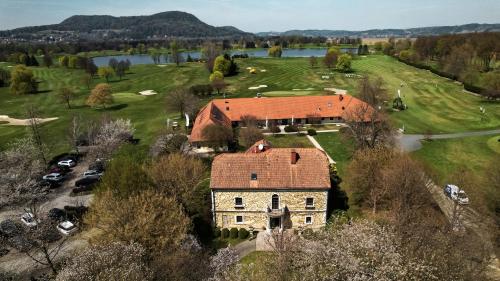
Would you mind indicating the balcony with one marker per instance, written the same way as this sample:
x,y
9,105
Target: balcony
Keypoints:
x,y
274,213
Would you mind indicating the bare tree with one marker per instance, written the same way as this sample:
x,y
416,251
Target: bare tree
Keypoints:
x,y
250,135
368,126
372,91
42,242
218,135
35,127
75,131
181,100
65,96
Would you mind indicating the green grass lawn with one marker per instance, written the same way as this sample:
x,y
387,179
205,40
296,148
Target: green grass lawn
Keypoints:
x,y
253,257
285,141
448,156
339,149
146,112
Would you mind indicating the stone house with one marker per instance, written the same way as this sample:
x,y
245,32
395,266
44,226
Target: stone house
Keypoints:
x,y
266,187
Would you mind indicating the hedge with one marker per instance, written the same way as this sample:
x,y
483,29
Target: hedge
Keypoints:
x,y
311,132
243,233
291,129
224,233
217,232
233,233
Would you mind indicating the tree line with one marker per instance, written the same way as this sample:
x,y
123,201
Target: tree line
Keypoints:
x,y
468,58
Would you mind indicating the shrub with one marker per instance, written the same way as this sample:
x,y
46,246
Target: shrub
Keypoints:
x,y
224,233
243,233
217,232
291,129
311,132
233,233
275,129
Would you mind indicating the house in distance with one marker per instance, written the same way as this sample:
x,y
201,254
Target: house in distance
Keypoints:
x,y
267,111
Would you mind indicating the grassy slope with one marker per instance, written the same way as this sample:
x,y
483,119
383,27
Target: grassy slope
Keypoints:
x,y
147,113
339,149
448,156
289,141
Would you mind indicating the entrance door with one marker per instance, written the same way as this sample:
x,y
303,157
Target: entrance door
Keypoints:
x,y
284,122
275,222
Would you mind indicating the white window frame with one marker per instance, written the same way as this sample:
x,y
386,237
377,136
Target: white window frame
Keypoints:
x,y
305,220
242,219
310,206
242,202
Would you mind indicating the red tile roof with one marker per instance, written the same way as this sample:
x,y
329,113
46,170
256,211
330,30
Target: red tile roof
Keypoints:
x,y
273,168
224,111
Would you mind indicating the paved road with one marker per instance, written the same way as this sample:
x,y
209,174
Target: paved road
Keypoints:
x,y
411,143
463,216
244,248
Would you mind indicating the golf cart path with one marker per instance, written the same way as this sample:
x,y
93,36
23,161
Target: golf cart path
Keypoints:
x,y
411,142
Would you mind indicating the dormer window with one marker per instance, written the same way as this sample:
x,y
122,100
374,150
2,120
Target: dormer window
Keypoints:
x,y
253,176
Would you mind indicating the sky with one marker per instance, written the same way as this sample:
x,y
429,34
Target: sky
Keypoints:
x,y
272,15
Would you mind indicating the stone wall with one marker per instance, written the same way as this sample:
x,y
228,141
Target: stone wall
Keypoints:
x,y
255,204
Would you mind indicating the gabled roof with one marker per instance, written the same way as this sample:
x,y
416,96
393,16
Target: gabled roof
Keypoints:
x,y
273,169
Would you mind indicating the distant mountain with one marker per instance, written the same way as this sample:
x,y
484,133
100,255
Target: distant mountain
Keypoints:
x,y
411,32
166,24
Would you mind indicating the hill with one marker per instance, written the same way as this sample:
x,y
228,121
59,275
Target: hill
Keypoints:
x,y
411,32
166,24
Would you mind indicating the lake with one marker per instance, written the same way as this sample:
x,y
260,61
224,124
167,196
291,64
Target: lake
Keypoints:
x,y
260,53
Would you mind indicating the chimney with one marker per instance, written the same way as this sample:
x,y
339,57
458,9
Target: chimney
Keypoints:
x,y
294,157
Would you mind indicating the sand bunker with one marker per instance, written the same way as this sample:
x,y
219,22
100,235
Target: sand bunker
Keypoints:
x,y
24,122
257,87
337,91
161,65
263,70
308,89
148,93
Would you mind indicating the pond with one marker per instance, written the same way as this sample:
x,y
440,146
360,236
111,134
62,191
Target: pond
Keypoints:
x,y
258,53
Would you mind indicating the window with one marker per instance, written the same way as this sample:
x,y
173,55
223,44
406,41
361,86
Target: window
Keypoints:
x,y
275,202
309,202
253,176
238,202
331,118
239,219
309,220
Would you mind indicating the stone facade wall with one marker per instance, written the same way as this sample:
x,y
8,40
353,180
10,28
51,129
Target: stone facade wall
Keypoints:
x,y
255,204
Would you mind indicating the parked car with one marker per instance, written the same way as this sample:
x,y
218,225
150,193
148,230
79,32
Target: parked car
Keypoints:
x,y
59,169
92,174
50,184
56,214
9,229
53,177
67,163
86,181
67,227
84,188
29,220
456,194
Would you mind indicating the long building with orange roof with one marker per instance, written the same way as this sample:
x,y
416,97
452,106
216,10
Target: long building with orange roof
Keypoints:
x,y
278,110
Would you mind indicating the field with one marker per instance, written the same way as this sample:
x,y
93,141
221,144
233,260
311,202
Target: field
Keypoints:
x,y
451,155
435,104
